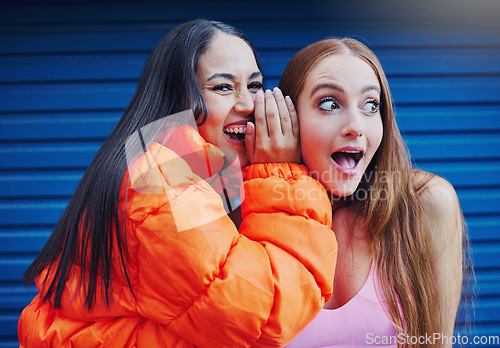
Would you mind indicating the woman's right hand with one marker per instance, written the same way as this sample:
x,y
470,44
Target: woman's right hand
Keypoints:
x,y
275,135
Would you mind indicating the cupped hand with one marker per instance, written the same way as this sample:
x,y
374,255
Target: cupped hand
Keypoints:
x,y
275,135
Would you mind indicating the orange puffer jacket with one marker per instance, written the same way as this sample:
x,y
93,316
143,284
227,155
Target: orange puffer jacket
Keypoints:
x,y
197,280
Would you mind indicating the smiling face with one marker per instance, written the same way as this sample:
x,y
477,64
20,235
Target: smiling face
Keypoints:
x,y
340,121
229,78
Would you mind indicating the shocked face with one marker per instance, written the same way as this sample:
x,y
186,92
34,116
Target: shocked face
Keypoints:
x,y
340,121
229,78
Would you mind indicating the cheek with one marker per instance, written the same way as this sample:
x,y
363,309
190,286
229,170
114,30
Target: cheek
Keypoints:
x,y
306,137
374,141
204,131
375,136
314,141
212,127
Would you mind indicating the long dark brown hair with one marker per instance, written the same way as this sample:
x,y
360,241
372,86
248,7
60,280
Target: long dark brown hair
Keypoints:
x,y
90,233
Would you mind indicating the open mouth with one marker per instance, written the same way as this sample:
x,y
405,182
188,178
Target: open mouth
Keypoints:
x,y
347,159
236,132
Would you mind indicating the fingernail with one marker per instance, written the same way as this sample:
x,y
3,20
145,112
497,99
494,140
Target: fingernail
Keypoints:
x,y
248,127
288,101
260,94
277,91
268,92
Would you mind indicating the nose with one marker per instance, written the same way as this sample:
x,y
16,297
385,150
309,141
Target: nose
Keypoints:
x,y
353,125
245,102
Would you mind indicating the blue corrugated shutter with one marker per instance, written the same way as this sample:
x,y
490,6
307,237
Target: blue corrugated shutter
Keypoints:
x,y
68,71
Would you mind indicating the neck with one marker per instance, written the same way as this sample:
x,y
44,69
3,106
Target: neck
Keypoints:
x,y
338,202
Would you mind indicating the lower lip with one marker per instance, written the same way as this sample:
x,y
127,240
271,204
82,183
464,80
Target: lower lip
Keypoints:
x,y
347,171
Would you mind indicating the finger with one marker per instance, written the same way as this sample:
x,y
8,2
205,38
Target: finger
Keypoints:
x,y
284,113
261,131
272,115
250,141
294,119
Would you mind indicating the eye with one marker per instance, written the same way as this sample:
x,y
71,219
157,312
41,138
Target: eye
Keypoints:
x,y
255,86
371,106
222,88
328,104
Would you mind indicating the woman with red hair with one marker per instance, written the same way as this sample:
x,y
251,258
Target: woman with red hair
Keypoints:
x,y
400,230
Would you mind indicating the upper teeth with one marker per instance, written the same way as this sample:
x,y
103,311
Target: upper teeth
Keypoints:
x,y
235,129
357,154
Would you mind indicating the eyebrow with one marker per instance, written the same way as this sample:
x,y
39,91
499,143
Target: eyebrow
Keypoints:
x,y
340,89
232,77
328,86
370,88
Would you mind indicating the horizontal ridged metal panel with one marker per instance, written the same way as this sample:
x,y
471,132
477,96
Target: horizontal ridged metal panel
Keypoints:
x,y
68,71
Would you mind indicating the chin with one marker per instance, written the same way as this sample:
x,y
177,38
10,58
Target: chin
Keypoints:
x,y
342,191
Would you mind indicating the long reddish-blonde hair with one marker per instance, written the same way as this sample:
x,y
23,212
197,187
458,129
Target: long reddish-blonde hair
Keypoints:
x,y
390,205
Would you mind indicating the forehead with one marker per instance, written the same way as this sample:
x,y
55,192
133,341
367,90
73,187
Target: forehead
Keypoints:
x,y
227,53
346,69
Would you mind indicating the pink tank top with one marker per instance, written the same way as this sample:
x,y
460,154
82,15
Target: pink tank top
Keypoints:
x,y
364,321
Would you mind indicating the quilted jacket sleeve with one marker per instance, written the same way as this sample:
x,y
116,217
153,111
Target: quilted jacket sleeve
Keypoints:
x,y
220,287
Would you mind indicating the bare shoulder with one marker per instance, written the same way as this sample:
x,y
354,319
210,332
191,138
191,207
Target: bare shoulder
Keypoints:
x,y
437,194
440,204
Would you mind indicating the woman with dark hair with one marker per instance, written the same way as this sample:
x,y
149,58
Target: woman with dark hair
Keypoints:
x,y
400,230
146,254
